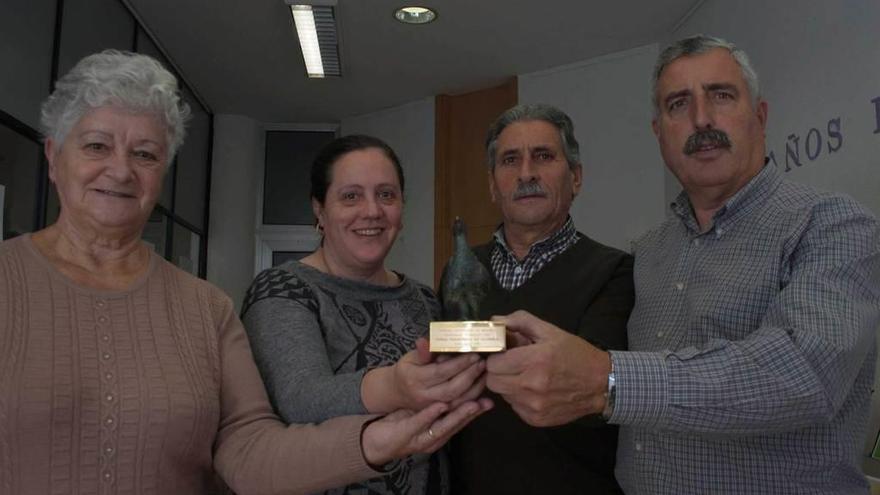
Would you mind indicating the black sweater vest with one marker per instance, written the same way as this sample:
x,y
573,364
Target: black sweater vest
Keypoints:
x,y
586,290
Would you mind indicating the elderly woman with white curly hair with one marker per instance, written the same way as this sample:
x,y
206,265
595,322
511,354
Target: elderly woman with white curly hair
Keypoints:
x,y
120,373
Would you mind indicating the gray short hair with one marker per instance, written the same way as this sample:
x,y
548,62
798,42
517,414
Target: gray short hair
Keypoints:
x,y
698,44
128,80
535,111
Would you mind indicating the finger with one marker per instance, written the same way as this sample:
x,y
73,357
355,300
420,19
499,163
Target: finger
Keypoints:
x,y
472,393
443,357
460,383
516,339
423,352
441,372
529,326
398,415
485,404
412,425
503,384
499,319
451,423
511,362
419,373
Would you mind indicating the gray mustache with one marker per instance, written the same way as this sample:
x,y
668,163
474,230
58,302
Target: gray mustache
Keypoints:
x,y
530,188
715,137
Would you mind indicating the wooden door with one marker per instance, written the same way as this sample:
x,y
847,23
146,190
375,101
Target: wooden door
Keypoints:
x,y
461,185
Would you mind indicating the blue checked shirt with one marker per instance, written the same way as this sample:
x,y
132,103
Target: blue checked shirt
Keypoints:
x,y
753,347
512,273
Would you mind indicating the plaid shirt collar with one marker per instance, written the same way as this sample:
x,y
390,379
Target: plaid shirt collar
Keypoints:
x,y
512,273
741,203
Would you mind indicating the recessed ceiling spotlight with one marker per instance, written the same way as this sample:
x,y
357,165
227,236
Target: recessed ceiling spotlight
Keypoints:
x,y
415,15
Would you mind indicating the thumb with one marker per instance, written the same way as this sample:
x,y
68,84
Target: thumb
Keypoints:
x,y
423,353
527,325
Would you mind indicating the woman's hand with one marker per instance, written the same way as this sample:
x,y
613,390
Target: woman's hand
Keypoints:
x,y
403,432
416,381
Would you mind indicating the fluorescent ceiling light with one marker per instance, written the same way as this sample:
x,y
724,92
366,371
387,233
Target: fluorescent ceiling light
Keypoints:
x,y
415,15
316,28
308,39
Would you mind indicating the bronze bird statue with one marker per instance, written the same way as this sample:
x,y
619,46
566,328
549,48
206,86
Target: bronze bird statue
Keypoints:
x,y
465,280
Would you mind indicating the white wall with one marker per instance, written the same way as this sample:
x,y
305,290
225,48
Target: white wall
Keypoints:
x,y
817,61
608,98
409,130
237,158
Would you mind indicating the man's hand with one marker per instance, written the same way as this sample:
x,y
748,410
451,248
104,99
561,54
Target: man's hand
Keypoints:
x,y
403,433
553,381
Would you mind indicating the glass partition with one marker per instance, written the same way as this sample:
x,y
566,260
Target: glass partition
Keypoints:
x,y
26,40
20,179
81,35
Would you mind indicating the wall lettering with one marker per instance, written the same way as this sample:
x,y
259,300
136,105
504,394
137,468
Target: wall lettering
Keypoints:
x,y
876,102
834,134
814,142
792,151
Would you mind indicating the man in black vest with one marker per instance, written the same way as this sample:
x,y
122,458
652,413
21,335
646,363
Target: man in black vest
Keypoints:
x,y
541,264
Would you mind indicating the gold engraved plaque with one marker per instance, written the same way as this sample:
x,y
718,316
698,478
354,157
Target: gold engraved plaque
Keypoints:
x,y
467,336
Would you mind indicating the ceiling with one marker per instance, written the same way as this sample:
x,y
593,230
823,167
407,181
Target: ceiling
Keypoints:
x,y
243,56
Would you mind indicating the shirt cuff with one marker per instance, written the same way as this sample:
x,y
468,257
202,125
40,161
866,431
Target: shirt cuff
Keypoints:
x,y
641,383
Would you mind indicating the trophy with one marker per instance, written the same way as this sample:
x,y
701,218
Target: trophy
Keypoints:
x,y
464,286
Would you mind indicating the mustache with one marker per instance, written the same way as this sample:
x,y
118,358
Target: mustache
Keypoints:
x,y
530,188
714,137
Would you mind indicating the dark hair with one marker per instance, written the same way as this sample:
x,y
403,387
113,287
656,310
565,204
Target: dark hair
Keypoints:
x,y
334,150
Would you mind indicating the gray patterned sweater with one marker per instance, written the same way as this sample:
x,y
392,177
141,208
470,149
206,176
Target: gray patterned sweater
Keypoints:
x,y
314,336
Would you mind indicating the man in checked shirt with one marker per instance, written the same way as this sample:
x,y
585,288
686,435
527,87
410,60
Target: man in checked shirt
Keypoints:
x,y
540,263
752,340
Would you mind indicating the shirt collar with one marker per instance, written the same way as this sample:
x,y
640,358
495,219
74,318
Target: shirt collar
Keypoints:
x,y
741,203
561,236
